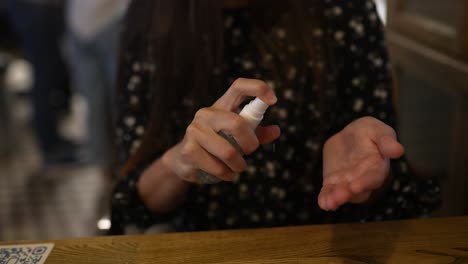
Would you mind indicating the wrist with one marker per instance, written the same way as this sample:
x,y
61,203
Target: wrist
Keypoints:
x,y
173,164
174,167
168,162
159,187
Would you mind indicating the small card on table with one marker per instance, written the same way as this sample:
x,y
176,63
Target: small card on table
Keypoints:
x,y
25,254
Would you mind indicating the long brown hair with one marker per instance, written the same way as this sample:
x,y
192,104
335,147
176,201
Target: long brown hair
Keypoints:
x,y
184,40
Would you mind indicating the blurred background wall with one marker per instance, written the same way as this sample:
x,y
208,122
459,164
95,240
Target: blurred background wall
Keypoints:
x,y
428,40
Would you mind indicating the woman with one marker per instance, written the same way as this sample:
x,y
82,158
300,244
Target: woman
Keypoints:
x,y
326,75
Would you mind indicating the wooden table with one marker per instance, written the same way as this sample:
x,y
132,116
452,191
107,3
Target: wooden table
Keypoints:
x,y
443,240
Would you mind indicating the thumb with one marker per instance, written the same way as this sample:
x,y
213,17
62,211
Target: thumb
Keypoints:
x,y
389,147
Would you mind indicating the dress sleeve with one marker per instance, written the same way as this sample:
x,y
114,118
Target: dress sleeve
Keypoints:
x,y
128,210
364,88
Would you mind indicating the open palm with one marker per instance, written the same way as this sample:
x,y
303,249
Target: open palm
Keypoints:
x,y
356,162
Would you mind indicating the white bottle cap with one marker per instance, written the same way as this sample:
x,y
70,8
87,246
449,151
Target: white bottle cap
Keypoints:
x,y
253,112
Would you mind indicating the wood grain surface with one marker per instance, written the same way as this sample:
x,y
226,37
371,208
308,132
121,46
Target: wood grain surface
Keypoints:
x,y
442,240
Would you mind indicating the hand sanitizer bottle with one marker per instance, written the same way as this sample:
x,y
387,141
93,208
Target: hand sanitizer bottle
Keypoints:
x,y
253,114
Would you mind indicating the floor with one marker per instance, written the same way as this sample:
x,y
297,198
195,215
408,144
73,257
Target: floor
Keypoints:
x,y
36,204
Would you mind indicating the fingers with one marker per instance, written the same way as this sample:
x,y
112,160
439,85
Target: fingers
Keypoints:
x,y
218,147
352,185
386,139
195,154
243,88
323,196
229,123
333,196
204,148
389,147
268,134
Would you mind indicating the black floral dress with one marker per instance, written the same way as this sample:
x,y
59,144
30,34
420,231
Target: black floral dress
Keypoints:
x,y
282,181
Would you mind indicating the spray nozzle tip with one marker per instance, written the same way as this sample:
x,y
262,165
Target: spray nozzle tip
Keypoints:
x,y
258,105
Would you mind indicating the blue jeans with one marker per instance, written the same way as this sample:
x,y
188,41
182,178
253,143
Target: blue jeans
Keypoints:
x,y
5,120
94,65
41,29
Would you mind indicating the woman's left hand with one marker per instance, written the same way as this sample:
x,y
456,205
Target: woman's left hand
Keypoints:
x,y
356,162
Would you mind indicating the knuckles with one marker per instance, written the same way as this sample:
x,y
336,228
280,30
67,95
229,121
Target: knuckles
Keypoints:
x,y
187,151
262,87
259,85
192,130
238,83
202,112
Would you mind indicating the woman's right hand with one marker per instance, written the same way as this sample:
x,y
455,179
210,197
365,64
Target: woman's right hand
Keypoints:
x,y
163,184
202,148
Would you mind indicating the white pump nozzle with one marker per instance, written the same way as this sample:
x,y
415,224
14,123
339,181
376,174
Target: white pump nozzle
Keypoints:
x,y
253,112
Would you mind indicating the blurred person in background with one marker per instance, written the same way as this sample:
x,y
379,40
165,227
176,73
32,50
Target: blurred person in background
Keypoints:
x,y
40,25
93,30
324,69
6,146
